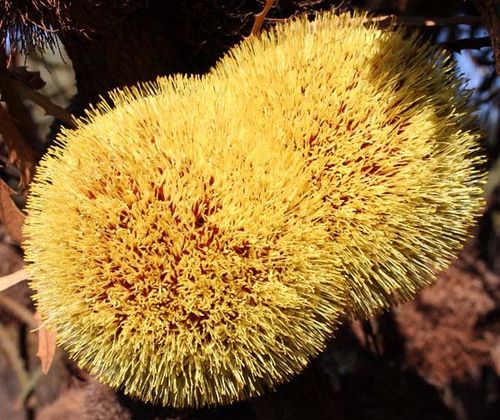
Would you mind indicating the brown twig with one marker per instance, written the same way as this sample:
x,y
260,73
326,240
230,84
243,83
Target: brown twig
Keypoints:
x,y
467,44
260,17
48,106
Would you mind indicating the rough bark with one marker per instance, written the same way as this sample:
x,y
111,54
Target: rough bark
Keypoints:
x,y
490,12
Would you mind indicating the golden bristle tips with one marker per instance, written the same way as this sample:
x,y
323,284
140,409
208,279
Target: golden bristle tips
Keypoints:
x,y
380,119
198,242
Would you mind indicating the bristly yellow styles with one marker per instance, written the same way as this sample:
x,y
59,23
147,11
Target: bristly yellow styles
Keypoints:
x,y
380,119
179,257
192,245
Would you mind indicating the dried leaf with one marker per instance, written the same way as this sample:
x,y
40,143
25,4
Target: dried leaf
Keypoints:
x,y
12,279
45,103
20,154
46,345
10,215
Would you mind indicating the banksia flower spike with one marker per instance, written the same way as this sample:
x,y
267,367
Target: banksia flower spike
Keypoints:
x,y
179,257
380,119
196,243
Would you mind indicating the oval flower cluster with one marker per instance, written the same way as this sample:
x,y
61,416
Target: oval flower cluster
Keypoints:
x,y
198,241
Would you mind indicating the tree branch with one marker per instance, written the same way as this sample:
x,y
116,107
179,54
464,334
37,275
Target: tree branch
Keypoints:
x,y
260,17
467,44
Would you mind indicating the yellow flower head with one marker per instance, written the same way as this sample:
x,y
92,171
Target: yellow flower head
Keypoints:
x,y
380,120
194,244
178,256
